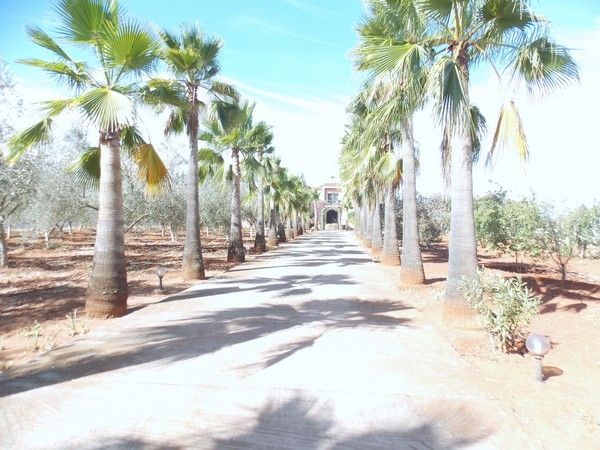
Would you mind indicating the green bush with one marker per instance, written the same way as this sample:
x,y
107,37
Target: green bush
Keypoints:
x,y
505,306
433,215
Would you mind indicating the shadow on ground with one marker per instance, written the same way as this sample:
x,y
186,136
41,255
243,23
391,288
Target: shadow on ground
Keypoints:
x,y
201,334
302,423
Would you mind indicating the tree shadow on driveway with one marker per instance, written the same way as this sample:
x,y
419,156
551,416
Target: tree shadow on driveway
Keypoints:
x,y
285,285
190,337
303,422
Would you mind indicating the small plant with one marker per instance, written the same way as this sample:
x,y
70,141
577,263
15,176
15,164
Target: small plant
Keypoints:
x,y
505,306
33,333
50,342
76,327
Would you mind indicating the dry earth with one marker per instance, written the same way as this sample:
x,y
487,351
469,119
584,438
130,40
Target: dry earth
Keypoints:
x,y
44,286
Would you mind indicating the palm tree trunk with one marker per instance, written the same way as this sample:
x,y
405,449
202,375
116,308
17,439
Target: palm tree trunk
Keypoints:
x,y
462,259
377,239
289,232
272,237
259,239
193,264
281,232
369,221
411,269
363,221
356,224
107,289
295,223
390,255
3,247
236,252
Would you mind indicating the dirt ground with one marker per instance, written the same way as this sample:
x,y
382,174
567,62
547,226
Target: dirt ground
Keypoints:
x,y
43,286
570,394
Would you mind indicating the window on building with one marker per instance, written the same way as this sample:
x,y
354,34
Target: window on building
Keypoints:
x,y
332,197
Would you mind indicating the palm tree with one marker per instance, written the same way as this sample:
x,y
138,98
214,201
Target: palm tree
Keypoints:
x,y
397,96
119,52
263,139
230,127
455,35
192,59
276,183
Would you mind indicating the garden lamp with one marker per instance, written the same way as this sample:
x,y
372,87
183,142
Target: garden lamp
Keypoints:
x,y
160,273
538,346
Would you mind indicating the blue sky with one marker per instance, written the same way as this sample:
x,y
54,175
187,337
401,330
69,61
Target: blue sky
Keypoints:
x,y
293,58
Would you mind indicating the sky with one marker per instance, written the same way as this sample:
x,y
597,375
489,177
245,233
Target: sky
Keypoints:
x,y
293,57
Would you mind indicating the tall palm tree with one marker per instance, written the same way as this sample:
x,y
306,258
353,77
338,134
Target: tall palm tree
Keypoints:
x,y
398,95
276,183
230,128
192,59
456,35
263,139
119,51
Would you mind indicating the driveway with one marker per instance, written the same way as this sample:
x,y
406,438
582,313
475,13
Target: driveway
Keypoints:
x,y
307,347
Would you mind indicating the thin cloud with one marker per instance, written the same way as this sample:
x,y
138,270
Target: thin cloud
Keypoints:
x,y
316,106
313,10
253,22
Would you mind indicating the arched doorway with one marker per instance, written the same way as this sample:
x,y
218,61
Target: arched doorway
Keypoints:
x,y
331,216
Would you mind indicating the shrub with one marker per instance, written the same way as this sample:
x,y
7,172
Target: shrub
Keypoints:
x,y
433,215
505,306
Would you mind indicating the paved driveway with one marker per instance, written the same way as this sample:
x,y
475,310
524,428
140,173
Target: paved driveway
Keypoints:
x,y
306,347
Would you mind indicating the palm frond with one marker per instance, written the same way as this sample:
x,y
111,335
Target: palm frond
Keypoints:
x,y
451,102
108,108
44,40
151,168
86,168
545,66
73,75
130,48
37,134
509,133
86,21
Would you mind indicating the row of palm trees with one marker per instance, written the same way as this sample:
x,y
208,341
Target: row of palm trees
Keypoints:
x,y
115,77
421,53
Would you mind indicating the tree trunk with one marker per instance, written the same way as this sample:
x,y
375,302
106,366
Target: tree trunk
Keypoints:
x,y
3,247
316,216
259,240
390,255
272,237
295,230
356,223
70,227
172,234
281,232
376,239
8,230
462,260
107,290
236,252
289,231
369,220
411,269
193,264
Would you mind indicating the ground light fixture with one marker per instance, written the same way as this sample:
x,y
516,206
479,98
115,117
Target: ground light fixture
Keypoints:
x,y
160,272
538,346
